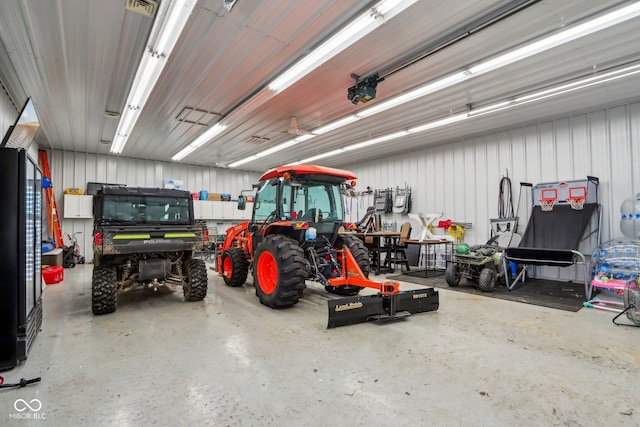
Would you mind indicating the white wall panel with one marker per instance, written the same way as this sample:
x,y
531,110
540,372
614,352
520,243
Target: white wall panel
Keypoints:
x,y
8,112
74,170
462,179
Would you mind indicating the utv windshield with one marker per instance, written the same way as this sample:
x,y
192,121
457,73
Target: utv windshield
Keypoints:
x,y
145,209
309,201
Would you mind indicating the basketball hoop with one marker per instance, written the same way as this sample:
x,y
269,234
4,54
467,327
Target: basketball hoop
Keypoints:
x,y
548,198
577,197
577,203
547,204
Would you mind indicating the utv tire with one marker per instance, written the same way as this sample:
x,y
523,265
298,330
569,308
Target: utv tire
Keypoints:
x,y
104,298
279,271
487,280
235,267
195,288
361,255
452,274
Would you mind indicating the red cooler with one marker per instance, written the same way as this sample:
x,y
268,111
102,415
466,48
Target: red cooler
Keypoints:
x,y
53,274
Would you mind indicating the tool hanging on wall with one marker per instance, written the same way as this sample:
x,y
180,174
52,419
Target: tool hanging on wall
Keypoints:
x,y
360,197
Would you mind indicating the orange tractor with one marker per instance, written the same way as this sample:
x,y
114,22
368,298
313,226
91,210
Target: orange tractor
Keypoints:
x,y
295,235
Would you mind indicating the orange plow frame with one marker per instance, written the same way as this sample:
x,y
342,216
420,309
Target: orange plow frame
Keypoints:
x,y
353,275
388,304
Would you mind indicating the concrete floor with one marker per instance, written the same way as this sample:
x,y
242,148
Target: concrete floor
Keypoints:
x,y
228,360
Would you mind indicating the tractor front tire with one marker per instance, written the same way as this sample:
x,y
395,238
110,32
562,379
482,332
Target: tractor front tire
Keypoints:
x,y
452,274
195,288
104,292
487,280
235,267
361,255
279,271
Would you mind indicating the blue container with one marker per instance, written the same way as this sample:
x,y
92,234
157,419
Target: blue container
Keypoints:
x,y
204,195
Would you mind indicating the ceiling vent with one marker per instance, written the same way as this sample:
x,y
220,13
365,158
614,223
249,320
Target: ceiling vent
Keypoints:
x,y
255,139
143,7
196,116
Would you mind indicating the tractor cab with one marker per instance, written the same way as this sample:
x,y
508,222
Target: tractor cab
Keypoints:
x,y
300,205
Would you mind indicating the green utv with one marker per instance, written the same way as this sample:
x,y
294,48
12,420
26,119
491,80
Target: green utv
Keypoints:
x,y
145,237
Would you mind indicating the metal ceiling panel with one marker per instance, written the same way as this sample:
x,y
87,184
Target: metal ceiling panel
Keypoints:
x,y
77,59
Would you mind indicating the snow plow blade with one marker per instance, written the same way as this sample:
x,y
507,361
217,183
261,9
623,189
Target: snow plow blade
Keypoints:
x,y
381,307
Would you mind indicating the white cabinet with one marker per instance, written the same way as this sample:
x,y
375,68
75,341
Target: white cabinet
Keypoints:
x,y
243,215
227,209
197,209
210,209
78,206
202,209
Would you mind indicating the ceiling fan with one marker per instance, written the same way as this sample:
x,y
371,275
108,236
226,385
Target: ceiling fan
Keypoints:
x,y
293,128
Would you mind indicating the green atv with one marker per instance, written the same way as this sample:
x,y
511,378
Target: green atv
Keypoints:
x,y
480,263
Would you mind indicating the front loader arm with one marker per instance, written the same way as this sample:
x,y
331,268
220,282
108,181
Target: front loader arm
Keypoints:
x,y
237,236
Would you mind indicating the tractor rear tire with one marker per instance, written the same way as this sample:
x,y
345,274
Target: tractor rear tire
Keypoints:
x,y
195,288
279,271
487,280
361,255
235,267
452,274
104,292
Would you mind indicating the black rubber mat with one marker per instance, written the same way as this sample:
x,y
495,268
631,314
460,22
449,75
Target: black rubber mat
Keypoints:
x,y
567,296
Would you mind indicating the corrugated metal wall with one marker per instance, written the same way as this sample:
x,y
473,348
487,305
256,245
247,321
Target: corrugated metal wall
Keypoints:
x,y
8,112
74,170
462,179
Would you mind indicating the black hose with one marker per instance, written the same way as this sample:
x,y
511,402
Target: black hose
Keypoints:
x,y
23,382
505,199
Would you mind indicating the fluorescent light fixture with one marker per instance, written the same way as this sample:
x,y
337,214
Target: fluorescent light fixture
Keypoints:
x,y
438,123
354,31
585,82
323,155
148,73
305,137
431,125
199,141
127,121
377,140
335,125
269,151
593,25
243,161
173,26
166,31
419,92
